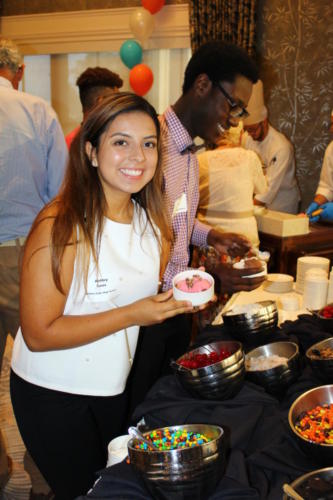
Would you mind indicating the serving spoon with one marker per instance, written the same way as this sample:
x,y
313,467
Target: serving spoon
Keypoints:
x,y
289,490
134,432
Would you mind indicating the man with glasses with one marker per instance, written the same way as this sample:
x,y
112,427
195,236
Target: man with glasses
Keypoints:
x,y
276,153
217,87
236,109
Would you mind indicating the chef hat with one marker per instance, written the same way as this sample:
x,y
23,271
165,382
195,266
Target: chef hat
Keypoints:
x,y
256,107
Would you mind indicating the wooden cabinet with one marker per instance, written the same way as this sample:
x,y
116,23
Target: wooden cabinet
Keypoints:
x,y
285,251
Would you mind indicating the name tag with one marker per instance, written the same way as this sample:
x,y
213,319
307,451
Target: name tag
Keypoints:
x,y
100,288
180,205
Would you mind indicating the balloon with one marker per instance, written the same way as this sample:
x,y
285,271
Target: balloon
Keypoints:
x,y
141,78
131,53
141,23
153,5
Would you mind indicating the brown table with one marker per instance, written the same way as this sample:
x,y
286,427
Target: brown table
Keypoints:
x,y
285,251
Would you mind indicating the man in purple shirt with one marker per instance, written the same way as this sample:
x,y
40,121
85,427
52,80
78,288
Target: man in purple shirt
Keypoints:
x,y
216,90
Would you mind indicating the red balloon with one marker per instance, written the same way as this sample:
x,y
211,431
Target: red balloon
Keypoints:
x,y
153,5
141,78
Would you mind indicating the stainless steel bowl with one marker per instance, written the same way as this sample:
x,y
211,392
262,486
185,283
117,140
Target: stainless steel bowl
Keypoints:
x,y
321,453
275,380
221,380
314,484
322,367
186,473
253,327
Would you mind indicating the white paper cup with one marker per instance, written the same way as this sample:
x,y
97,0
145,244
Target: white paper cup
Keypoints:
x,y
197,298
117,450
289,302
315,292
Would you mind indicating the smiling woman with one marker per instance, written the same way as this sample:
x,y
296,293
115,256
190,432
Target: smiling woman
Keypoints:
x,y
90,277
126,161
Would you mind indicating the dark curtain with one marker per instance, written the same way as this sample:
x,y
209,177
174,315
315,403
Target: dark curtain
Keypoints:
x,y
229,20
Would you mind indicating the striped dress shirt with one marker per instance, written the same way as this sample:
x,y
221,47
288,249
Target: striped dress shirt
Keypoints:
x,y
181,192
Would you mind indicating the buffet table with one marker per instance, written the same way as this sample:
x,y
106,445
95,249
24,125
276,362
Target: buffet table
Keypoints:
x,y
262,453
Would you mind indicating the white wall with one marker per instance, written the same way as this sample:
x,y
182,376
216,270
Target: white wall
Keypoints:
x,y
53,78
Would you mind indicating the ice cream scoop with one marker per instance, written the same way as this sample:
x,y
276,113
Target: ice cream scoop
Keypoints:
x,y
194,284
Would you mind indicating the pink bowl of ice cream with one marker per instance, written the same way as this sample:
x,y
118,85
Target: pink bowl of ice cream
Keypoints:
x,y
193,285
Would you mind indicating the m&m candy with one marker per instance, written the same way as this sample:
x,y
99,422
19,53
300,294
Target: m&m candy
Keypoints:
x,y
168,439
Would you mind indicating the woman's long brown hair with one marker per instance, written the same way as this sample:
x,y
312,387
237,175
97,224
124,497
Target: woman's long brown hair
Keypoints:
x,y
81,204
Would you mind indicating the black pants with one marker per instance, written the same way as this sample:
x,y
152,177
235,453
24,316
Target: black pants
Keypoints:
x,y
157,345
66,434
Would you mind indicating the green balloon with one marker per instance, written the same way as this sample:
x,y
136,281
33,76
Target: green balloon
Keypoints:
x,y
131,53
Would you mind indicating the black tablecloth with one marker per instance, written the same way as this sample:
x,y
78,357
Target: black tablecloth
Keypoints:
x,y
263,454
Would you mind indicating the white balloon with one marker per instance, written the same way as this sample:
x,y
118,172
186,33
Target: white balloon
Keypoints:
x,y
141,23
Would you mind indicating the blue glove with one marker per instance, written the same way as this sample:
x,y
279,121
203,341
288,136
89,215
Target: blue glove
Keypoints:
x,y
311,208
327,213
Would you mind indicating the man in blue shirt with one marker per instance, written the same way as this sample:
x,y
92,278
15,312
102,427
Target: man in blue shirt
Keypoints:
x,y
33,157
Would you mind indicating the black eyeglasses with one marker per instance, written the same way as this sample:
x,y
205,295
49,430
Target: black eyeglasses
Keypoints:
x,y
236,110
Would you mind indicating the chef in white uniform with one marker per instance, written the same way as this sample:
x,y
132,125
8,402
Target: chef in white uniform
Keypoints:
x,y
276,153
324,192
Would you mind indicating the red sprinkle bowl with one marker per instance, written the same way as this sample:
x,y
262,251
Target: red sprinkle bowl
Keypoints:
x,y
213,371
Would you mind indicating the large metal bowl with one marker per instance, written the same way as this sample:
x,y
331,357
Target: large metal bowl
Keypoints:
x,y
275,380
186,473
253,327
321,453
314,485
221,380
322,367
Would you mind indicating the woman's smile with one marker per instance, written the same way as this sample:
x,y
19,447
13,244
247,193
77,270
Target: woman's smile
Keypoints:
x,y
132,173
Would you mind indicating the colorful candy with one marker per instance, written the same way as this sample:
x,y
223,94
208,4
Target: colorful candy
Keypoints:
x,y
167,439
316,424
194,361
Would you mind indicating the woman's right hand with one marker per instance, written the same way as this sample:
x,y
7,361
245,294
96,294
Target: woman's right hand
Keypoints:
x,y
158,308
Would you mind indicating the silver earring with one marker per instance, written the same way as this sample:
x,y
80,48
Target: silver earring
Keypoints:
x,y
94,163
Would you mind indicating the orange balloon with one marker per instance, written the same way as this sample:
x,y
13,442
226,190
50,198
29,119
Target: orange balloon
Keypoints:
x,y
141,78
153,5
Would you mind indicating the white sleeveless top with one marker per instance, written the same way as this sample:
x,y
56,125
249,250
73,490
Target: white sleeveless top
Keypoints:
x,y
129,265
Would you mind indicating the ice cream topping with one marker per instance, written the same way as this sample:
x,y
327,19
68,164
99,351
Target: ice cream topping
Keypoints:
x,y
193,284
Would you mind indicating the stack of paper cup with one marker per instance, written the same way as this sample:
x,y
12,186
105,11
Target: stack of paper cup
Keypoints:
x,y
306,263
315,290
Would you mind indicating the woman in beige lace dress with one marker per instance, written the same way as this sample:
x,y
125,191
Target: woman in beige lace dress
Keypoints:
x,y
229,178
